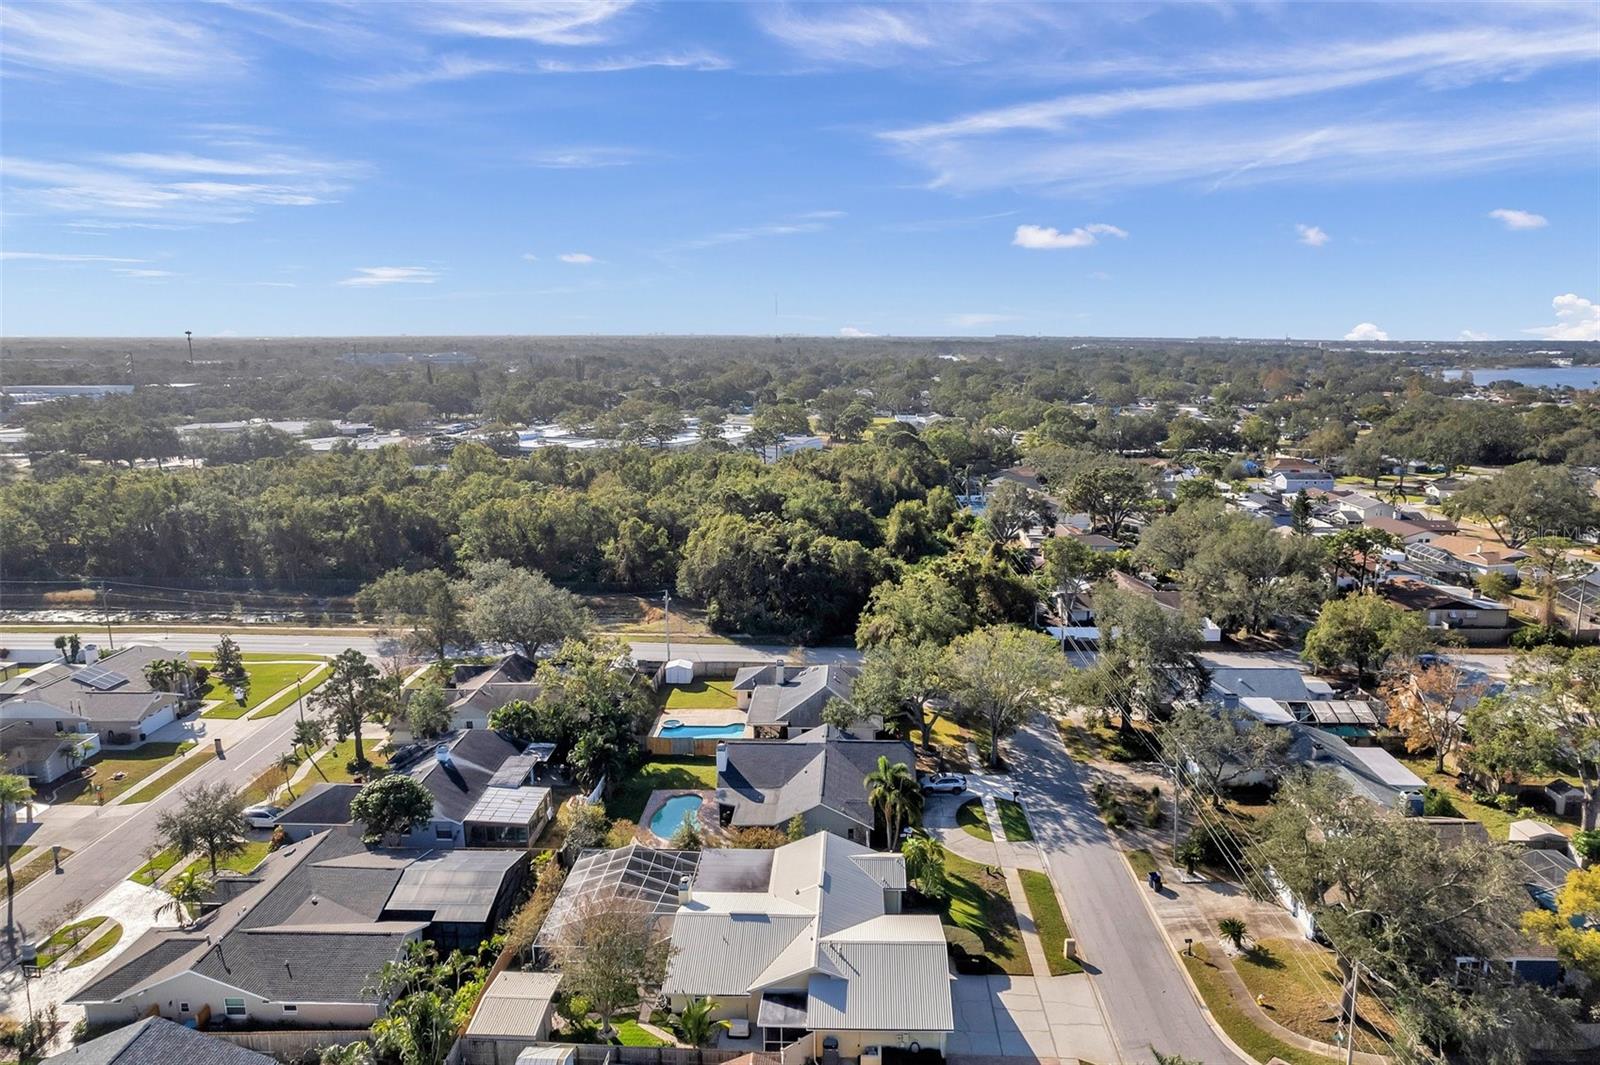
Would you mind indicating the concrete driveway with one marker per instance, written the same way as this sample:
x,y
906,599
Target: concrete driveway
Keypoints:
x,y
1053,1018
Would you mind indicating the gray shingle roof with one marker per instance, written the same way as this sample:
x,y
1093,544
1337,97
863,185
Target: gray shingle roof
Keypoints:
x,y
129,701
767,782
324,804
476,755
157,1041
798,701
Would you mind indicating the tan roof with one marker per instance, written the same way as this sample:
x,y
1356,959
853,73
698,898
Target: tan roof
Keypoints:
x,y
1472,549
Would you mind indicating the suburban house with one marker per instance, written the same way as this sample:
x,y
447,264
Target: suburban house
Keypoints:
x,y
482,793
782,701
818,776
1411,530
807,944
1293,475
319,808
1451,608
157,1041
1441,488
1169,600
109,697
475,691
1353,507
300,939
1230,685
1464,555
42,754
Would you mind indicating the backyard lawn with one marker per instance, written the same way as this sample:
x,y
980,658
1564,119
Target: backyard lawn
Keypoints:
x,y
134,766
1241,1029
1303,988
700,695
1496,820
268,674
1048,921
629,1034
627,802
172,779
979,905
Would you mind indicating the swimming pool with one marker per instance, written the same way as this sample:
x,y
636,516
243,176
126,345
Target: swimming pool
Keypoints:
x,y
677,730
672,813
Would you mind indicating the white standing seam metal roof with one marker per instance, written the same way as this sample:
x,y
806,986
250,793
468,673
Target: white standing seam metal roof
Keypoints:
x,y
512,807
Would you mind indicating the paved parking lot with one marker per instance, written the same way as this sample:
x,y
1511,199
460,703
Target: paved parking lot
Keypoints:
x,y
1023,1017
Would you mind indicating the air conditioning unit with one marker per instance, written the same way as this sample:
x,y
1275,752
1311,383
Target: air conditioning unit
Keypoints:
x,y
872,1055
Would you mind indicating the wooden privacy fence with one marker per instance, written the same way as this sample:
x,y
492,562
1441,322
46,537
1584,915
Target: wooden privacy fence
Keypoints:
x,y
292,1044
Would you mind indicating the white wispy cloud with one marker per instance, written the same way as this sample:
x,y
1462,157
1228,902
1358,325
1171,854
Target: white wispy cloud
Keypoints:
x,y
1048,238
1515,219
617,63
556,22
65,257
528,256
1473,335
809,222
444,68
142,273
1366,331
974,319
1311,235
1577,318
578,258
853,333
582,157
880,35
373,276
180,187
125,42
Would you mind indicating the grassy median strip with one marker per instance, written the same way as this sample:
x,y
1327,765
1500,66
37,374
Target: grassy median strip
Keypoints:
x,y
1143,862
1048,920
156,787
243,862
1014,821
36,868
108,939
1259,1044
152,870
65,938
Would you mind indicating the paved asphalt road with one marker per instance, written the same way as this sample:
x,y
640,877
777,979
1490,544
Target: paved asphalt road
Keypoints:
x,y
1146,999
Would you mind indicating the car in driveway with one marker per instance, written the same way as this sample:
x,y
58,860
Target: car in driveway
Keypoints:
x,y
262,815
944,784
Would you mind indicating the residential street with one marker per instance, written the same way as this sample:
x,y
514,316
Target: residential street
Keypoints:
x,y
1145,997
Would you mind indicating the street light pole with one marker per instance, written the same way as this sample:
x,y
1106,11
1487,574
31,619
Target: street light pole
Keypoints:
x,y
105,613
188,334
666,621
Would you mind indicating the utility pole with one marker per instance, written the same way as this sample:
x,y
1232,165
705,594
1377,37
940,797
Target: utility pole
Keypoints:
x,y
666,621
105,613
188,334
1350,1026
300,699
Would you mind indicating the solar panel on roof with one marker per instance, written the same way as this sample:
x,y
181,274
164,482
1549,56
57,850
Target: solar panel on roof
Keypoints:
x,y
99,677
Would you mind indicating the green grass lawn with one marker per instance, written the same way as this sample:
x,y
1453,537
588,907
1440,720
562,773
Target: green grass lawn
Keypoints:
x,y
17,853
134,765
61,940
107,939
151,871
332,765
1302,985
1048,919
1143,862
659,774
1103,744
172,779
1013,821
700,695
629,1034
268,675
1240,1028
979,904
1496,820
243,862
971,816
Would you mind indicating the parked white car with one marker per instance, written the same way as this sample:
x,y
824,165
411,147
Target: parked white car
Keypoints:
x,y
262,816
944,784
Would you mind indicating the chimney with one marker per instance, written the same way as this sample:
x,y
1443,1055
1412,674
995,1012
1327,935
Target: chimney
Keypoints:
x,y
780,672
685,892
722,758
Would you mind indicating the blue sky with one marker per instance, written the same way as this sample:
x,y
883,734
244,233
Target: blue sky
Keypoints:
x,y
241,168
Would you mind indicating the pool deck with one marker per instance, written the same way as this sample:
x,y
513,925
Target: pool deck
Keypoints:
x,y
705,718
707,813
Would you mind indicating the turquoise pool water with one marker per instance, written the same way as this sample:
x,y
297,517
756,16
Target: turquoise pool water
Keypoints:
x,y
671,814
677,730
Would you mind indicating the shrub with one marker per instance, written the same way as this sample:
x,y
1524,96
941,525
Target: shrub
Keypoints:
x,y
1540,636
1436,803
1495,585
1587,844
1115,818
1152,812
1507,801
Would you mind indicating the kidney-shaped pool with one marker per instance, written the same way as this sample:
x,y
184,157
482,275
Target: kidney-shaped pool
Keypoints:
x,y
672,813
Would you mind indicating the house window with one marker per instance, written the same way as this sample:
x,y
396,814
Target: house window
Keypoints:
x,y
444,832
183,1007
290,1007
233,1007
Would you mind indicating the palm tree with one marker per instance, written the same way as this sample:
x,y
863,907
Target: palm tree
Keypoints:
x,y
286,764
310,735
695,1023
61,645
69,646
888,788
187,890
14,791
158,674
1233,930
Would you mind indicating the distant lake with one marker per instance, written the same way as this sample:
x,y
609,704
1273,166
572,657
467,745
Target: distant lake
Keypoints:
x,y
1533,376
